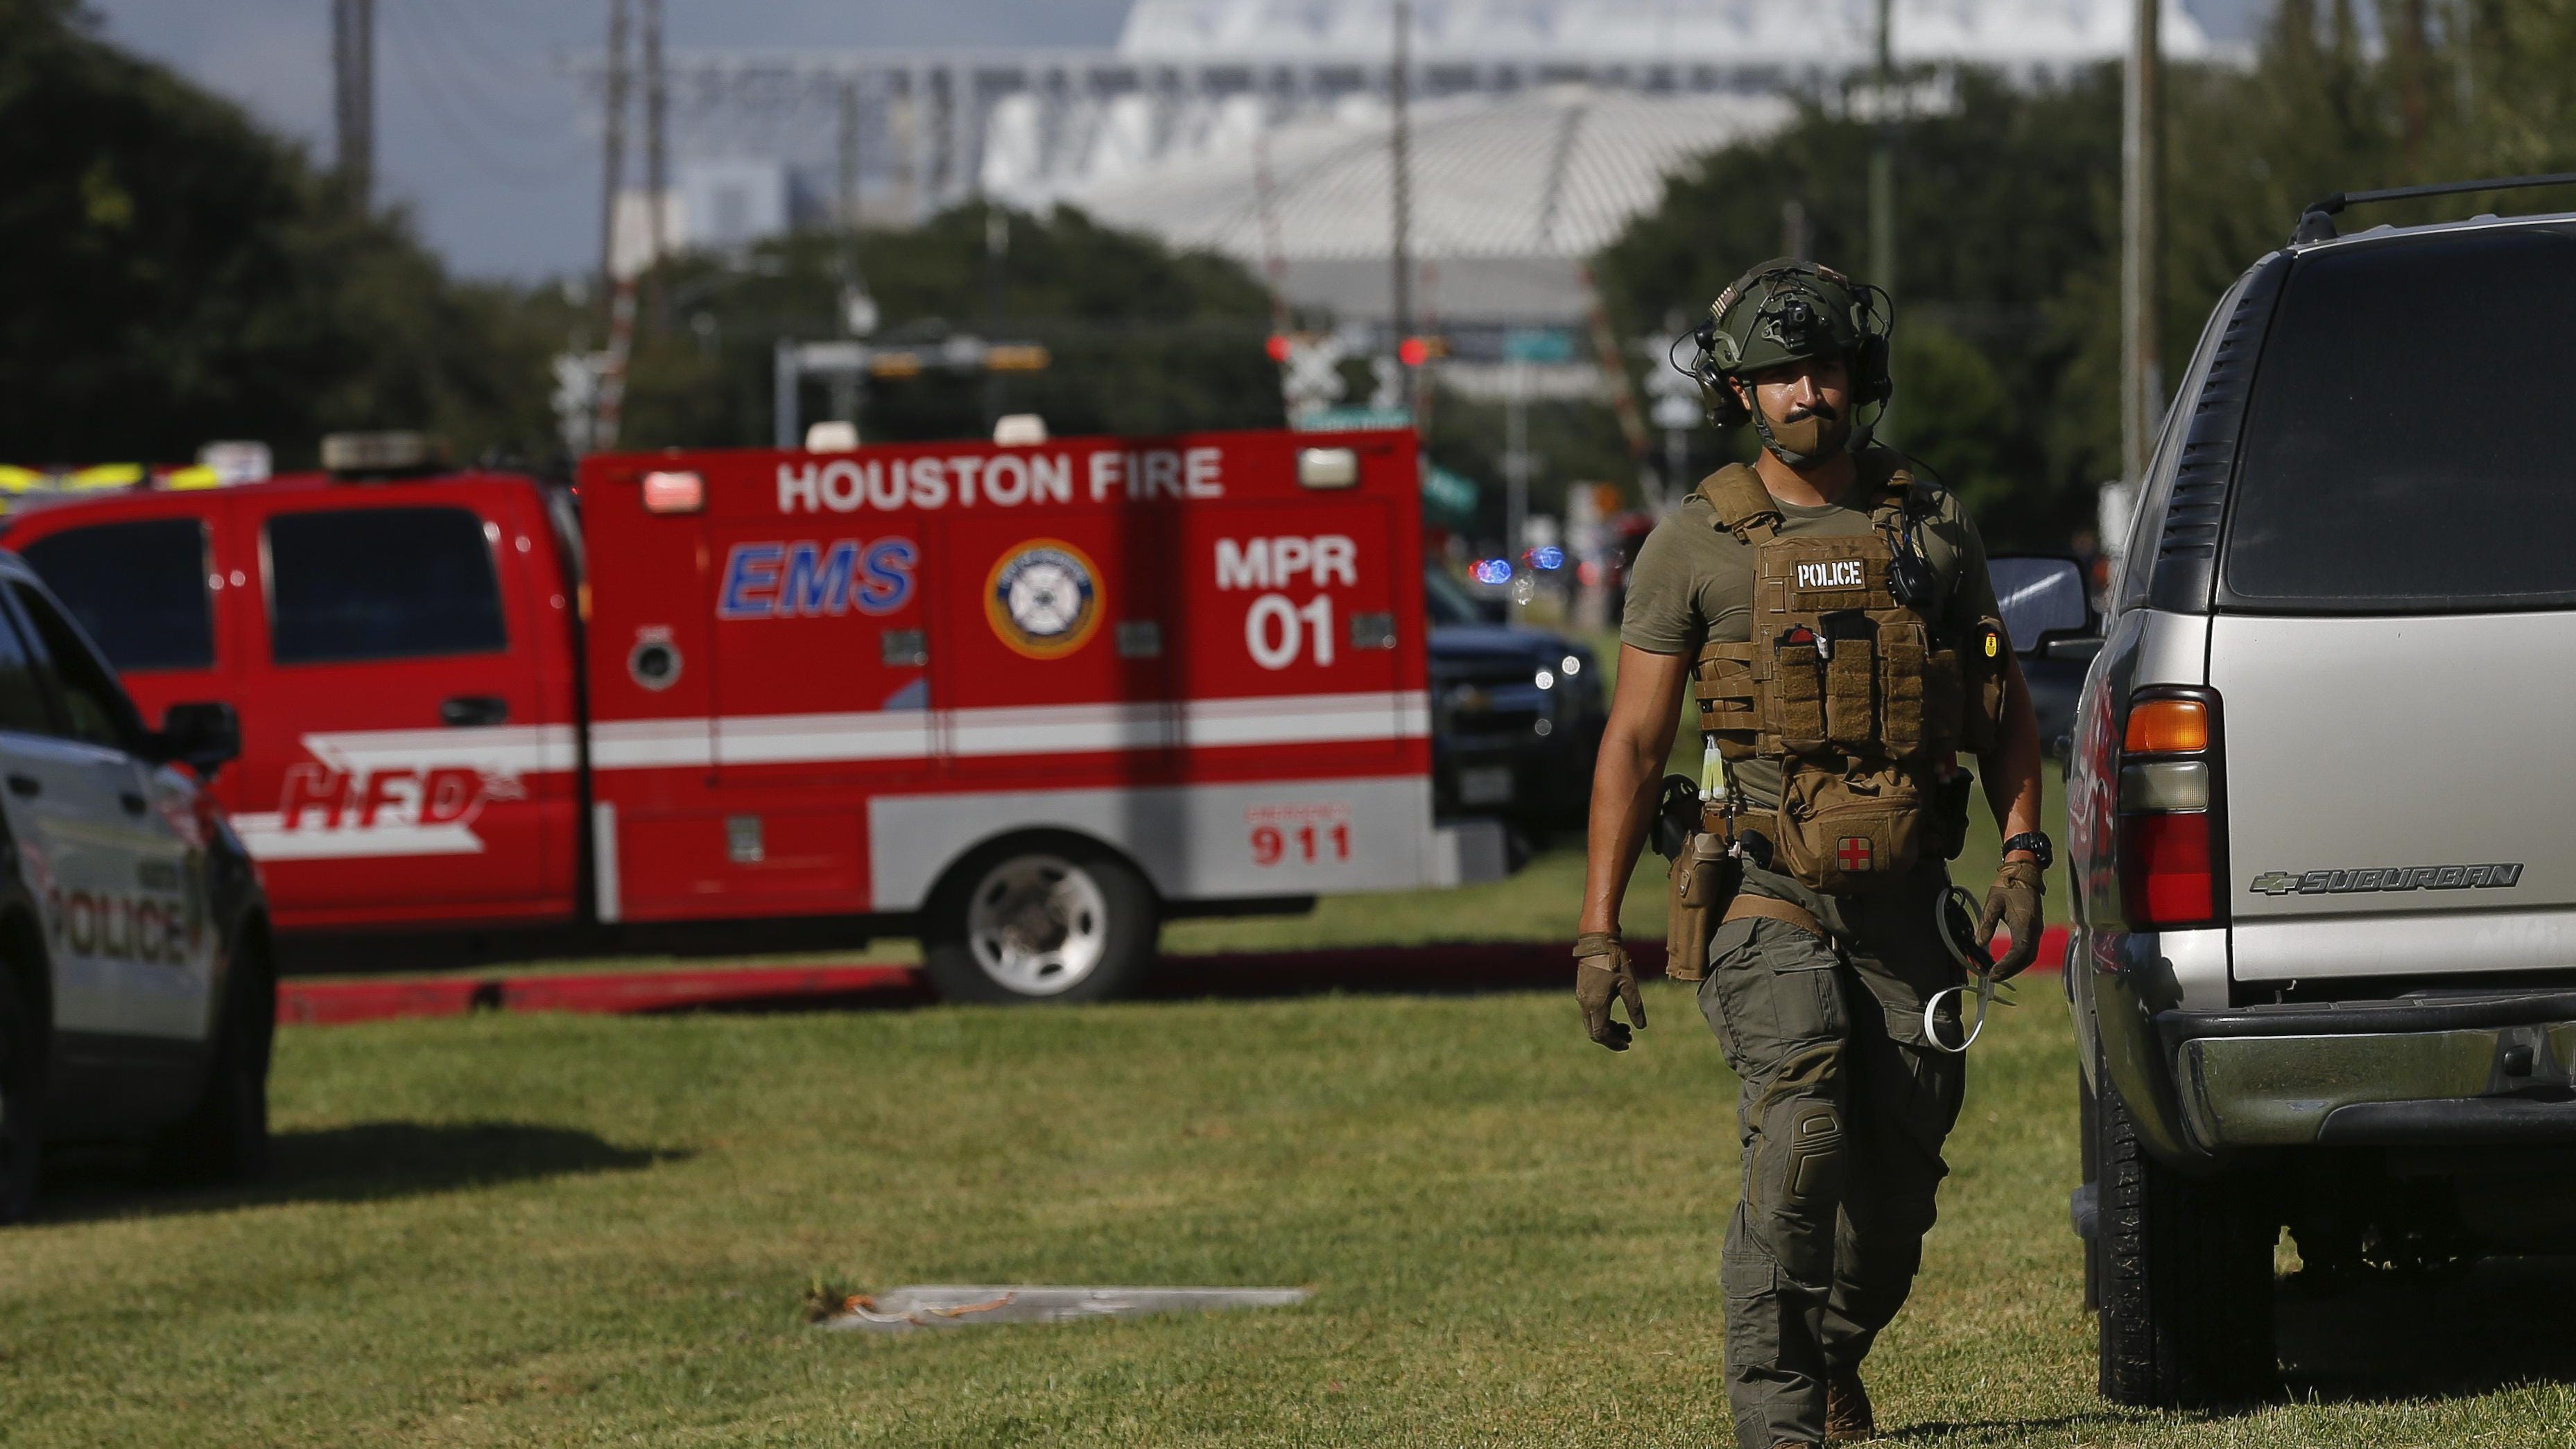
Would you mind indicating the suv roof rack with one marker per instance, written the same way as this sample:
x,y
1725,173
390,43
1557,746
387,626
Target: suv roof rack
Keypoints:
x,y
2316,224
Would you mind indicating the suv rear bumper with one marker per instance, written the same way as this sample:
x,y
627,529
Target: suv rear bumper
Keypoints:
x,y
2492,1069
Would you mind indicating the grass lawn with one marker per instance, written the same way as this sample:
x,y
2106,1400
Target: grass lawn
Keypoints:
x,y
553,1230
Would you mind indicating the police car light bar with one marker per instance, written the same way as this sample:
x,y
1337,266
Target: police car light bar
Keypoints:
x,y
351,455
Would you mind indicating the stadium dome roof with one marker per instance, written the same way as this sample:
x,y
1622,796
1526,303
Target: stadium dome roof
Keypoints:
x,y
1792,34
1510,193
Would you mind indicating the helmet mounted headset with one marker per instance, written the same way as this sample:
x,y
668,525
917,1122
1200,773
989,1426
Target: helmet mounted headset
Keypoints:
x,y
1786,311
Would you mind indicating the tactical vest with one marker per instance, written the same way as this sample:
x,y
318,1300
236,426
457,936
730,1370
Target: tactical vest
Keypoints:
x,y
1858,696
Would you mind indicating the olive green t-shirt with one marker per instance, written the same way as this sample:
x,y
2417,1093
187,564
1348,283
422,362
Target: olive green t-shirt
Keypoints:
x,y
1693,581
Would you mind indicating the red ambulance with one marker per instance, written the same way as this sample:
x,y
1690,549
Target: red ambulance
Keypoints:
x,y
1025,702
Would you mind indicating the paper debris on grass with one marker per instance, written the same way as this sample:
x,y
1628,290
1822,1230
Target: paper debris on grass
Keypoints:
x,y
901,1310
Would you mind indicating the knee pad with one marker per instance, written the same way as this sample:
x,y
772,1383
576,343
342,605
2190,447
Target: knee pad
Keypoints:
x,y
1816,1159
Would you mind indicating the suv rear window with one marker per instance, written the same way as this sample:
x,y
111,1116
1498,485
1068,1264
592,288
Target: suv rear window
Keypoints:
x,y
139,588
2404,449
350,585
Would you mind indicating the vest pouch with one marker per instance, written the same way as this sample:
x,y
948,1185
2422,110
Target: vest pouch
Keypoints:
x,y
1729,705
1901,689
1851,694
1798,697
1849,833
1703,878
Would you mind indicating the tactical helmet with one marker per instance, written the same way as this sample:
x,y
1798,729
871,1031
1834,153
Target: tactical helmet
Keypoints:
x,y
1786,311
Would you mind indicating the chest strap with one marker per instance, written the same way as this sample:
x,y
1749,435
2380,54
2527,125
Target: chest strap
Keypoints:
x,y
1748,906
1743,506
1746,509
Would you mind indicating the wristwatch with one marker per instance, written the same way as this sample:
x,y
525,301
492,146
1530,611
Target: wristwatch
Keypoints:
x,y
2037,844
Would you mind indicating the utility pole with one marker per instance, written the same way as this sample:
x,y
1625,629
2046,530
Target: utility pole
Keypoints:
x,y
612,148
1399,82
2141,248
848,156
1516,460
353,91
1882,175
997,256
657,177
617,294
2463,33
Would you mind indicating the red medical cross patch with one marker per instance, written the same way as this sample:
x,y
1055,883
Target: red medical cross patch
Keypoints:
x,y
1853,853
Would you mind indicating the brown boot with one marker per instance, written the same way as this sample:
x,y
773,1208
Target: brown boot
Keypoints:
x,y
1848,1419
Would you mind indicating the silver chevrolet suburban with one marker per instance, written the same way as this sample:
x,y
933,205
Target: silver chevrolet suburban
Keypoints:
x,y
2322,799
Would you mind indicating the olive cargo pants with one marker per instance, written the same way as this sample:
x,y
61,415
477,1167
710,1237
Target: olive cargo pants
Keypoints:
x,y
1842,1114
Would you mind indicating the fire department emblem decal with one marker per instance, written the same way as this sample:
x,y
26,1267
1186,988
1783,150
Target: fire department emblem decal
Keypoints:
x,y
1044,598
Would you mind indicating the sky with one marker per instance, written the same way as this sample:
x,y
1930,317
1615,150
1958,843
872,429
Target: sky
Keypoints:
x,y
478,130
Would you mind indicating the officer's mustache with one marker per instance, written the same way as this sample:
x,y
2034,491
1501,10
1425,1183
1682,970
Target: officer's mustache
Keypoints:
x,y
1824,411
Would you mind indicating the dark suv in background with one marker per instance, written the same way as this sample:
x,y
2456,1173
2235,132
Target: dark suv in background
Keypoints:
x,y
1516,714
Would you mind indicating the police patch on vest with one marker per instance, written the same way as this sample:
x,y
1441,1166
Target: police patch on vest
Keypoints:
x,y
1834,574
2387,878
1043,598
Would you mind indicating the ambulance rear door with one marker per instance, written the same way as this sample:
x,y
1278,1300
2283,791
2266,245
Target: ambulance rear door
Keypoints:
x,y
1300,664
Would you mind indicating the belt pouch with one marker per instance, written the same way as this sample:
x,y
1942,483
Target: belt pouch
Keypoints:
x,y
1844,833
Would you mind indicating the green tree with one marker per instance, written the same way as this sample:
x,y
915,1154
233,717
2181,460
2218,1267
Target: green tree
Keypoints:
x,y
169,275
1143,339
2001,199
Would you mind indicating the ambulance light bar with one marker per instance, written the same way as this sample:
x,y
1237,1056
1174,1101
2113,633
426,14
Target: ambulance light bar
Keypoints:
x,y
1019,430
674,493
1327,468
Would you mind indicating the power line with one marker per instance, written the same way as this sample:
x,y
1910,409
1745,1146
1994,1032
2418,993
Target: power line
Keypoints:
x,y
456,64
461,134
353,91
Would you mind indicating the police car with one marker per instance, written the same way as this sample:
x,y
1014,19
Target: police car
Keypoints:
x,y
136,998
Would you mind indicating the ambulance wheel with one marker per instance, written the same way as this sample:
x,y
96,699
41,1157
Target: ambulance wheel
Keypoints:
x,y
1040,920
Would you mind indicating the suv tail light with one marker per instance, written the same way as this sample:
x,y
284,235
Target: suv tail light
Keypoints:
x,y
2172,813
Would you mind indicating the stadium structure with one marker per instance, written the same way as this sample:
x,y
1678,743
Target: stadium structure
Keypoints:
x,y
1261,128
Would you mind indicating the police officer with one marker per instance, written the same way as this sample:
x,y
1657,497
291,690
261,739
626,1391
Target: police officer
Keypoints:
x,y
1830,611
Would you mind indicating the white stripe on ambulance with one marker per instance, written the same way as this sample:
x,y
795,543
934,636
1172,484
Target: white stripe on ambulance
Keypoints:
x,y
377,802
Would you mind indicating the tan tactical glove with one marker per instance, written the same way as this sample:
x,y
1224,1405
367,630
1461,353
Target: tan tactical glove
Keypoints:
x,y
1601,972
2014,900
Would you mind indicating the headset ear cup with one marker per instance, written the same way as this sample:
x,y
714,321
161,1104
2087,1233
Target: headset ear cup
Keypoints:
x,y
1717,394
1872,380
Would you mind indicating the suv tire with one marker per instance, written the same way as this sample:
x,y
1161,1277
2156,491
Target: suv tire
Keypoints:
x,y
22,1082
2183,1272
225,1139
1038,921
